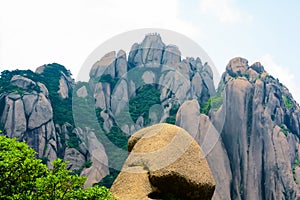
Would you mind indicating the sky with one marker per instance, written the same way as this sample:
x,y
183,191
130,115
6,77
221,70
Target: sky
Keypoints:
x,y
35,32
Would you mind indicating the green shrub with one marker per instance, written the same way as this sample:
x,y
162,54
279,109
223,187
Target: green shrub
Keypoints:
x,y
288,102
213,102
24,177
284,130
62,108
107,78
145,98
172,114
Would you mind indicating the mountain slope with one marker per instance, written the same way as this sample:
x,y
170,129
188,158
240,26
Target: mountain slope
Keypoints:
x,y
37,108
249,128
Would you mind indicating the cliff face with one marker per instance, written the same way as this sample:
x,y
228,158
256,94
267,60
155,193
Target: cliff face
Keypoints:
x,y
120,86
251,134
28,116
260,133
37,108
143,89
200,127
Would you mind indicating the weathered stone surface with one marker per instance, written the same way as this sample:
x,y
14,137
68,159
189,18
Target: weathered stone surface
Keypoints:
x,y
40,69
63,88
99,96
237,66
173,161
209,88
176,83
22,82
171,55
254,103
149,51
99,168
216,155
42,113
66,85
107,121
183,68
258,67
14,118
260,139
196,86
43,89
82,92
29,102
187,117
150,62
28,117
132,185
204,132
47,145
121,64
148,77
74,158
120,97
106,65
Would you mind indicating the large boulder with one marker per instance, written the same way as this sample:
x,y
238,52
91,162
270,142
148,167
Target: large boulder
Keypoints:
x,y
164,161
237,66
22,82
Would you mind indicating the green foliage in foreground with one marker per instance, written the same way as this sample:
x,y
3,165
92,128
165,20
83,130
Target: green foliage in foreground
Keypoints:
x,y
24,177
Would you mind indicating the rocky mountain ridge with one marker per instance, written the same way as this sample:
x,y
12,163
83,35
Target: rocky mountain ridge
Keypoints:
x,y
114,81
32,113
260,133
248,128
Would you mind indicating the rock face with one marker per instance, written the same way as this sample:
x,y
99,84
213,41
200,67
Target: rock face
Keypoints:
x,y
255,128
27,113
29,117
97,155
249,130
203,131
114,80
163,160
260,133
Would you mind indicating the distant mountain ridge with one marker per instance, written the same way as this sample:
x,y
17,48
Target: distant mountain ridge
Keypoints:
x,y
251,120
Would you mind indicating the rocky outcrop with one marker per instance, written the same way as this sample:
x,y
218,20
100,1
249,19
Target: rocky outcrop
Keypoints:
x,y
66,84
82,92
27,115
74,158
97,156
250,139
203,131
149,52
88,158
260,133
163,161
114,80
22,82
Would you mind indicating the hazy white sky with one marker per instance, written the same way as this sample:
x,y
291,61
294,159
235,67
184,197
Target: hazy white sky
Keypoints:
x,y
35,32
